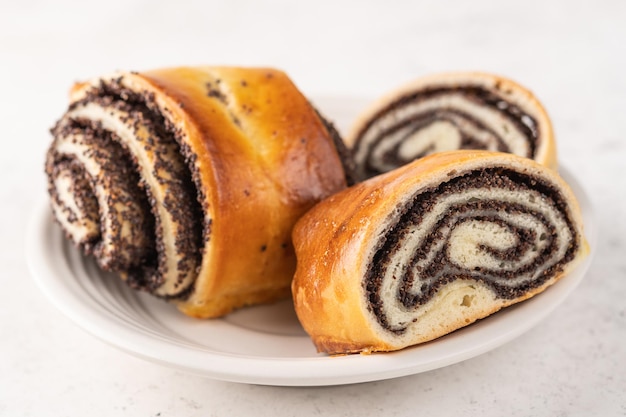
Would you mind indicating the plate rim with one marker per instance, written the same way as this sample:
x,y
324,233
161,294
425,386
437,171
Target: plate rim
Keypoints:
x,y
294,371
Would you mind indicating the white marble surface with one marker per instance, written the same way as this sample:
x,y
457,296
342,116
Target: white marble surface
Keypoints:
x,y
571,53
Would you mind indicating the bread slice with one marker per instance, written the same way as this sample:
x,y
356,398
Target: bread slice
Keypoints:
x,y
411,255
449,111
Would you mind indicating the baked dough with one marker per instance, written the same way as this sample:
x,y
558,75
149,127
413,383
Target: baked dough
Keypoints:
x,y
187,181
418,252
449,111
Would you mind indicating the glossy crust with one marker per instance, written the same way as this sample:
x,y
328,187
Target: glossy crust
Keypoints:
x,y
334,244
507,88
260,157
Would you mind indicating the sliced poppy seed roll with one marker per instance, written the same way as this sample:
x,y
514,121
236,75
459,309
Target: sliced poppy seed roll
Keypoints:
x,y
187,181
451,111
430,247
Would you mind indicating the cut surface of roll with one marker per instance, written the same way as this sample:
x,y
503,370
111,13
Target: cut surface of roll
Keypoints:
x,y
187,181
414,254
451,111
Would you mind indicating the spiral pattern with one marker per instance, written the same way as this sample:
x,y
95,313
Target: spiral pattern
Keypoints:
x,y
121,190
443,114
508,231
187,182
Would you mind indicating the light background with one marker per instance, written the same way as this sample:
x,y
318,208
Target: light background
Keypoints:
x,y
572,54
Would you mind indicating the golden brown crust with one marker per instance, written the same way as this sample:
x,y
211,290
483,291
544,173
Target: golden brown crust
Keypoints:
x,y
334,242
261,157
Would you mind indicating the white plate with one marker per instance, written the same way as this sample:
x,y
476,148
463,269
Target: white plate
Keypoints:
x,y
264,344
260,345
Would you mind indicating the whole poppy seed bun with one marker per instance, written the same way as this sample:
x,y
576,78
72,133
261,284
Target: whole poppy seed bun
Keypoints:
x,y
187,181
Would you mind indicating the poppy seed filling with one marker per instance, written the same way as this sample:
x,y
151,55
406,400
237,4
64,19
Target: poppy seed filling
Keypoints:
x,y
461,113
139,147
541,246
